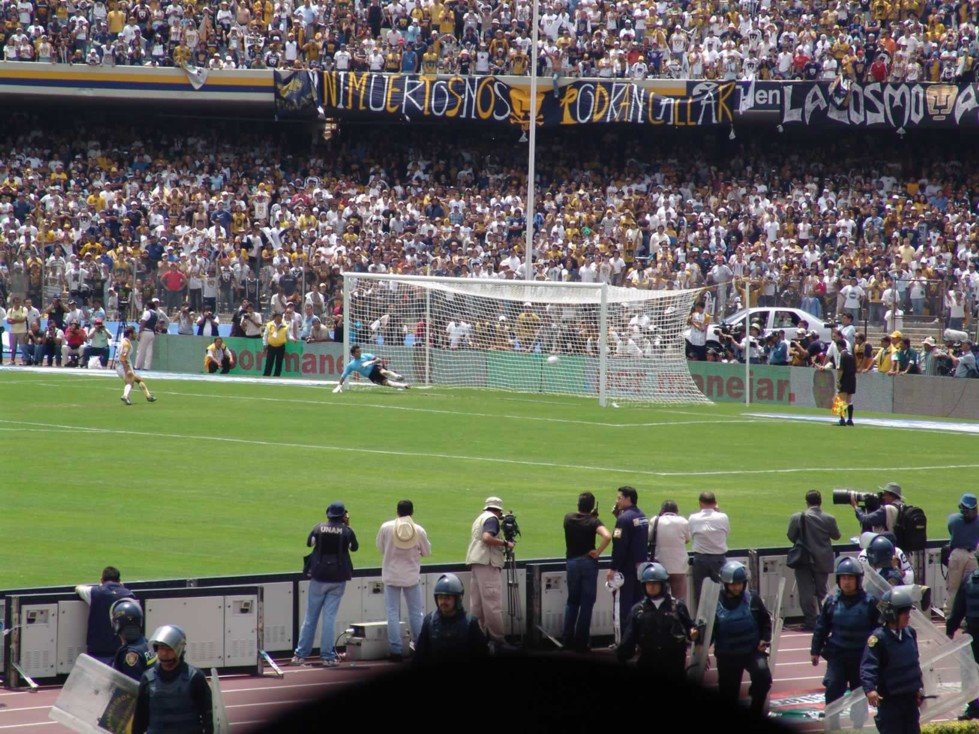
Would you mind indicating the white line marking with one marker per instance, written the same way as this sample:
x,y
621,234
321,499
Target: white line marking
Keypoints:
x,y
31,724
252,689
900,424
486,459
266,703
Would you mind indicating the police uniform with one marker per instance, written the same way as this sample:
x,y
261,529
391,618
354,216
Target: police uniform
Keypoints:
x,y
175,702
842,628
966,606
630,546
134,658
450,638
660,631
740,625
890,666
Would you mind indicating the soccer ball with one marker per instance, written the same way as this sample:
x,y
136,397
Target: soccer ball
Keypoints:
x,y
553,359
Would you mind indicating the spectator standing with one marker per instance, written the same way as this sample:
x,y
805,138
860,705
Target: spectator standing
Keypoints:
x,y
697,339
173,695
485,558
842,628
963,531
330,569
669,533
16,325
449,633
402,543
816,531
630,548
890,671
580,529
274,338
101,641
709,530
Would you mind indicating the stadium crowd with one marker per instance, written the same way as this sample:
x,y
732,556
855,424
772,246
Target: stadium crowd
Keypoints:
x,y
863,40
207,220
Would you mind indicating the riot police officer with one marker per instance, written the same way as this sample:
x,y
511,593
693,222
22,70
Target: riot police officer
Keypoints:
x,y
448,632
880,557
659,625
965,606
173,695
890,671
134,657
842,628
742,636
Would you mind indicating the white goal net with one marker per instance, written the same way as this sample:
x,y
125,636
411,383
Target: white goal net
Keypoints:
x,y
562,338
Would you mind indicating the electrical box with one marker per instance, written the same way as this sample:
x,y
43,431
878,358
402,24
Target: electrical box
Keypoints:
x,y
369,640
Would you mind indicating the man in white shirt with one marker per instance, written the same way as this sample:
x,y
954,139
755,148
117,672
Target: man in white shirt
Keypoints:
x,y
709,529
669,533
402,543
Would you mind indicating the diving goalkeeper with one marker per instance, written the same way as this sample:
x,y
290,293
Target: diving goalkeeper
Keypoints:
x,y
370,367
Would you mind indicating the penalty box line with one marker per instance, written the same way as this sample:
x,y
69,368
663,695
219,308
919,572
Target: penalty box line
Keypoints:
x,y
55,427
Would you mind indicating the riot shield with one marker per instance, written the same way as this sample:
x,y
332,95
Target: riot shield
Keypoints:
x,y
96,699
710,592
777,622
218,710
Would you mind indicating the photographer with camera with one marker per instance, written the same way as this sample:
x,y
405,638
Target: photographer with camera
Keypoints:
x,y
965,361
185,320
580,529
485,558
330,569
98,344
963,531
881,518
207,324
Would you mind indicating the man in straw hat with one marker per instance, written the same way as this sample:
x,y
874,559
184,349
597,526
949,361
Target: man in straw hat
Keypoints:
x,y
402,543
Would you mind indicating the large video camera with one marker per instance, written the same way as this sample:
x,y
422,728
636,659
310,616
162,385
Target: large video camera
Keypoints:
x,y
868,501
509,526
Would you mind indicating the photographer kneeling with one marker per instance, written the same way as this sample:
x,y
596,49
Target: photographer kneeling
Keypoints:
x,y
218,357
98,344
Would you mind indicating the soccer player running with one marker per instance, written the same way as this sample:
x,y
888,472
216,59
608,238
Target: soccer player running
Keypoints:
x,y
125,370
372,368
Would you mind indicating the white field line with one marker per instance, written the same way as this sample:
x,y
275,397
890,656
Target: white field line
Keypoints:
x,y
54,427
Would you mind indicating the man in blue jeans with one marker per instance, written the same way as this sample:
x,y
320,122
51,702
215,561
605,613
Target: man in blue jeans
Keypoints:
x,y
330,570
580,529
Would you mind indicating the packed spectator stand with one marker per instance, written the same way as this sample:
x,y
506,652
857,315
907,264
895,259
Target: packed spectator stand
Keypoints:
x,y
862,40
209,217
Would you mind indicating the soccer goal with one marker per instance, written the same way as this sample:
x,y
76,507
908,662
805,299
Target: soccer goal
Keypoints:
x,y
561,338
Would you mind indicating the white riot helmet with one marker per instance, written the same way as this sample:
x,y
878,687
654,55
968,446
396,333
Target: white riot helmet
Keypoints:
x,y
171,636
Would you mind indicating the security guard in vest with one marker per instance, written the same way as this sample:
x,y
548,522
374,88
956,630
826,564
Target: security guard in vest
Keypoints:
x,y
485,558
742,636
102,641
880,556
449,633
135,656
659,625
890,671
842,628
965,606
174,697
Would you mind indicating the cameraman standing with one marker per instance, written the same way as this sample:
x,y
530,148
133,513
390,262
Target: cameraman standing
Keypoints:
x,y
883,518
207,324
963,531
485,558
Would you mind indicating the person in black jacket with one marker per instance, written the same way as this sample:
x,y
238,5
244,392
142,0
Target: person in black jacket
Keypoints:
x,y
330,569
449,633
846,381
659,625
134,657
101,640
173,695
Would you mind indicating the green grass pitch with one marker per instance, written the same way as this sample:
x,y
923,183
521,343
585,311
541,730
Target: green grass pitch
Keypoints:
x,y
228,477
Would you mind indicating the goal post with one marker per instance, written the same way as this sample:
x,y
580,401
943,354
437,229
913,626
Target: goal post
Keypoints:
x,y
587,339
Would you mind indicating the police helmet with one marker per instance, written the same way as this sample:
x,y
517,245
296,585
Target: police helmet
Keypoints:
x,y
125,613
848,567
880,552
893,602
171,636
734,572
450,585
654,572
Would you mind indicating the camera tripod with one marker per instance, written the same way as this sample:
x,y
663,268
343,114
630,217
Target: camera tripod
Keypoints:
x,y
512,589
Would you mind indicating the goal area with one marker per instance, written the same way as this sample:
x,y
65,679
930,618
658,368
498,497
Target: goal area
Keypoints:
x,y
596,340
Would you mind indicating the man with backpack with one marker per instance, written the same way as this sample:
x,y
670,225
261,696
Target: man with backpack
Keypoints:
x,y
884,518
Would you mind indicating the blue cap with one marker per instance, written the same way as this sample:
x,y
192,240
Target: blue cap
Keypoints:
x,y
336,510
968,501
